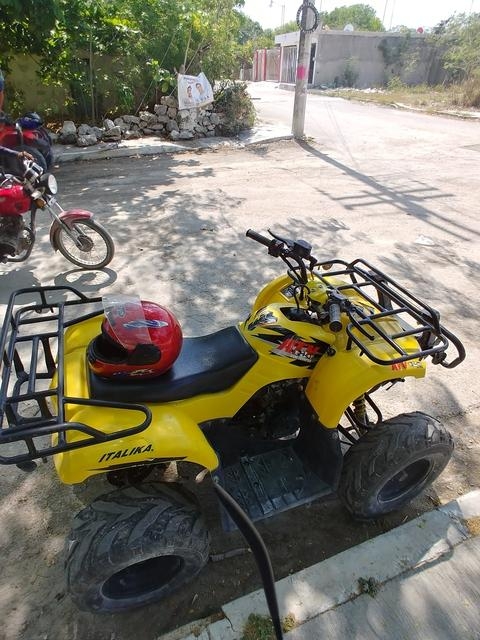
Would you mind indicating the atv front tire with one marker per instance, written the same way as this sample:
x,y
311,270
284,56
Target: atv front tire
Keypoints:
x,y
134,546
392,463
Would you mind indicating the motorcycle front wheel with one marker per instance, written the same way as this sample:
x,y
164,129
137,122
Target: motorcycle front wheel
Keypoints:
x,y
92,248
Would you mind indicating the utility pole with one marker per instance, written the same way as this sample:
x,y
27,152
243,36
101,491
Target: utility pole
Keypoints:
x,y
303,65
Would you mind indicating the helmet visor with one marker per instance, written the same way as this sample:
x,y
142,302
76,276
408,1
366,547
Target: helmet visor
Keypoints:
x,y
126,318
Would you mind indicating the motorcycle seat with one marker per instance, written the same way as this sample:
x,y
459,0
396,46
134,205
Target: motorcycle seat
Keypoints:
x,y
206,364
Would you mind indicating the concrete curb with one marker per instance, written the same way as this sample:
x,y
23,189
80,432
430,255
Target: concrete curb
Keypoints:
x,y
334,581
149,146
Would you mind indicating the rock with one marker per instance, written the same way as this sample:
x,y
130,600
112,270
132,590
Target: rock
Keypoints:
x,y
131,135
148,118
215,118
172,112
108,124
87,140
98,132
118,122
210,134
69,138
85,130
172,126
174,134
112,135
163,119
184,135
186,119
160,109
131,120
68,128
68,133
170,101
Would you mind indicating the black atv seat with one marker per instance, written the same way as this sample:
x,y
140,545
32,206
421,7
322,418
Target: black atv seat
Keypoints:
x,y
205,365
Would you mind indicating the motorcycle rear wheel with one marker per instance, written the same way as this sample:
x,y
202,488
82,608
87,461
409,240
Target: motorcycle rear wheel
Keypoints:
x,y
96,250
133,547
393,463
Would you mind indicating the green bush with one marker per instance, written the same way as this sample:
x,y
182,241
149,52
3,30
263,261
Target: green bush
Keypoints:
x,y
350,73
233,102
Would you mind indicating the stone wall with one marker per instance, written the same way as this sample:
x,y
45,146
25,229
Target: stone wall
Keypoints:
x,y
166,121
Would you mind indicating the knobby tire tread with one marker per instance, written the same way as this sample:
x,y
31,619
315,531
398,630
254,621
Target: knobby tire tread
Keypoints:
x,y
133,523
384,447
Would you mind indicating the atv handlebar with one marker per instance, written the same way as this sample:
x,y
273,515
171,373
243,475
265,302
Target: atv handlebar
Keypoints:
x,y
364,326
258,237
298,251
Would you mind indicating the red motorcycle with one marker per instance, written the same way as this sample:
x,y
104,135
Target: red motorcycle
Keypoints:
x,y
27,134
74,233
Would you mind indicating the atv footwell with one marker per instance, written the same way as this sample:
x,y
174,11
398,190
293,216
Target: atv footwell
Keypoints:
x,y
268,483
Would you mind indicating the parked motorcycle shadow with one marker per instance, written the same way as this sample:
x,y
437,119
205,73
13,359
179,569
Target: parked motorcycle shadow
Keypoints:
x,y
92,280
12,279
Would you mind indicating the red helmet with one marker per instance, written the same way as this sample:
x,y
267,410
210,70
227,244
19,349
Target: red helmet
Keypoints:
x,y
139,339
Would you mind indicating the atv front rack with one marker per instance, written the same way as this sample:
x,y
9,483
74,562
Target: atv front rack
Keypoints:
x,y
32,400
386,300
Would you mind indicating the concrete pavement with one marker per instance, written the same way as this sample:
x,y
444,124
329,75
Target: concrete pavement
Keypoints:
x,y
420,580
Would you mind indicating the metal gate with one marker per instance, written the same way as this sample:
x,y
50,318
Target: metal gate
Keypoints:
x,y
289,64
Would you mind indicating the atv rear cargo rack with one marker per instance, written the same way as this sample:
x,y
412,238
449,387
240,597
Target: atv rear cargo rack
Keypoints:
x,y
32,406
388,300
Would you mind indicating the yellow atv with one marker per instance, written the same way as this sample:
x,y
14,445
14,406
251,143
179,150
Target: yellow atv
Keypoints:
x,y
279,409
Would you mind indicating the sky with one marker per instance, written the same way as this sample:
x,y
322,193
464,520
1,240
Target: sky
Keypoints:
x,y
410,13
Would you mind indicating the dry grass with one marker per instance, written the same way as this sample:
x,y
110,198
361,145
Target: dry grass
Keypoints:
x,y
465,97
473,526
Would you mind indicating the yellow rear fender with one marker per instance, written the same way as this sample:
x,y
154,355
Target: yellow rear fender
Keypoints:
x,y
172,435
338,380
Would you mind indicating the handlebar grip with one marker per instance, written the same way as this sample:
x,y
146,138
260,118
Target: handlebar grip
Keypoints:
x,y
258,237
335,317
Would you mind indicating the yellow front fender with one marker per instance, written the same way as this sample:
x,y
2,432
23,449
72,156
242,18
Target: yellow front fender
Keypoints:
x,y
338,380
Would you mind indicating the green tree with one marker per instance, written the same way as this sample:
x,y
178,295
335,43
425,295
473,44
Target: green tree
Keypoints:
x,y
288,27
250,37
459,38
362,16
133,48
25,24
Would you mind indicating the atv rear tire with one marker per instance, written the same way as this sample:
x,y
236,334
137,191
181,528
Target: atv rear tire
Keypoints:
x,y
134,546
391,464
